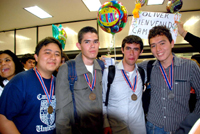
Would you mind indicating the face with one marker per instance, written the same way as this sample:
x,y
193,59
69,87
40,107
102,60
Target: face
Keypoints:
x,y
131,53
30,63
48,59
7,66
89,47
162,49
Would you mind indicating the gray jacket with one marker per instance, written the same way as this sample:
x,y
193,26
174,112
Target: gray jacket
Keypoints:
x,y
90,111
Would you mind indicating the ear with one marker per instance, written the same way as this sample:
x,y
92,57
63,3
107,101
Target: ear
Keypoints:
x,y
172,43
36,57
122,49
78,45
141,52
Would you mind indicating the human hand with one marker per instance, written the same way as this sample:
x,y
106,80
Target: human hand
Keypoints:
x,y
107,130
181,30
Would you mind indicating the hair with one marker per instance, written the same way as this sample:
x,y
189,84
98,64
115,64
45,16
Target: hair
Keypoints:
x,y
196,57
65,56
45,42
84,30
160,30
26,57
18,65
132,39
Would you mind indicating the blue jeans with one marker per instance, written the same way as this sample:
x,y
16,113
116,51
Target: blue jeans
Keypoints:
x,y
152,129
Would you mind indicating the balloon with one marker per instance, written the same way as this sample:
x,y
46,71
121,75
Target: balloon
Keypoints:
x,y
112,17
174,6
60,34
142,2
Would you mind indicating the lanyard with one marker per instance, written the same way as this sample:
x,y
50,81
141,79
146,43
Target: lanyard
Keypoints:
x,y
48,96
168,81
91,86
134,86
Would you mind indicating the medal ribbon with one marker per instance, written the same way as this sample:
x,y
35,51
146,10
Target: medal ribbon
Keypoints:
x,y
134,86
91,86
49,96
168,81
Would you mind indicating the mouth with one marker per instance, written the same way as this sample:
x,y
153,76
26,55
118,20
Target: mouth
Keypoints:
x,y
159,54
4,69
93,51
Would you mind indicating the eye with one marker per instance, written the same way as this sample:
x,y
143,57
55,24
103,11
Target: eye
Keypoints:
x,y
7,60
47,52
96,41
152,46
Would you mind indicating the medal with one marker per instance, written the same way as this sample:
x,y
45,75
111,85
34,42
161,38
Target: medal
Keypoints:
x,y
92,96
50,109
171,95
132,87
134,97
168,81
49,96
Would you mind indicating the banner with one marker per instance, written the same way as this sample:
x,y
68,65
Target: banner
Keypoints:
x,y
147,20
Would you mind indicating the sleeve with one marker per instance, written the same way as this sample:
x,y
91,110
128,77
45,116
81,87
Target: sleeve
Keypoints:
x,y
104,85
11,100
195,77
64,105
193,40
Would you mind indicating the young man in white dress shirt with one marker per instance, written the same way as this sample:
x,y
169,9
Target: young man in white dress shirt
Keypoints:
x,y
124,113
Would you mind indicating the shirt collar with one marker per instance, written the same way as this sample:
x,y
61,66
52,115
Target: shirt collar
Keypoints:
x,y
120,66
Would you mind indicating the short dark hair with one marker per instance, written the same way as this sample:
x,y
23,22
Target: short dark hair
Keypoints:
x,y
65,56
132,39
160,30
18,65
45,42
84,30
196,57
26,57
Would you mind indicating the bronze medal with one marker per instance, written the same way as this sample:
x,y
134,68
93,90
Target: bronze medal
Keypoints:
x,y
50,109
134,97
92,96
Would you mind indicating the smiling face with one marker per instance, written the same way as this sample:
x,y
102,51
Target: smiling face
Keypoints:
x,y
7,66
162,49
48,59
89,47
131,53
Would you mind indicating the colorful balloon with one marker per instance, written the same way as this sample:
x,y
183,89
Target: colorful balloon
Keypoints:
x,y
60,34
174,5
142,2
112,17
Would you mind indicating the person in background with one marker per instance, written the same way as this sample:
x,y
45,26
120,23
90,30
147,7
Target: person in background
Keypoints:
x,y
192,39
10,65
63,60
28,61
88,96
28,102
171,81
124,113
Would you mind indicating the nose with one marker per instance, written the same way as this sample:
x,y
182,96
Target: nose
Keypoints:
x,y
92,44
131,51
158,48
53,56
2,63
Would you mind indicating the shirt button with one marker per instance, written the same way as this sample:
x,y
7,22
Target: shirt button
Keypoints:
x,y
164,107
163,98
163,89
165,117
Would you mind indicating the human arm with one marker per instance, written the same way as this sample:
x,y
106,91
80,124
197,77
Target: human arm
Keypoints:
x,y
192,39
63,102
7,126
107,129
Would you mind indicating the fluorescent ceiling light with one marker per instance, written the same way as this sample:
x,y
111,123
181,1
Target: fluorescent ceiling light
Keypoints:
x,y
192,21
38,12
92,5
155,2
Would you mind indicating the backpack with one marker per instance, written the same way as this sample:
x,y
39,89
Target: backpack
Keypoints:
x,y
72,77
145,95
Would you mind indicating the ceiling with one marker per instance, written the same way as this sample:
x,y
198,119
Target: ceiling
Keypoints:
x,y
13,16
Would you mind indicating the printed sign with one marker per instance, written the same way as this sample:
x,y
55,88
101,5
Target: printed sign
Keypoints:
x,y
141,26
